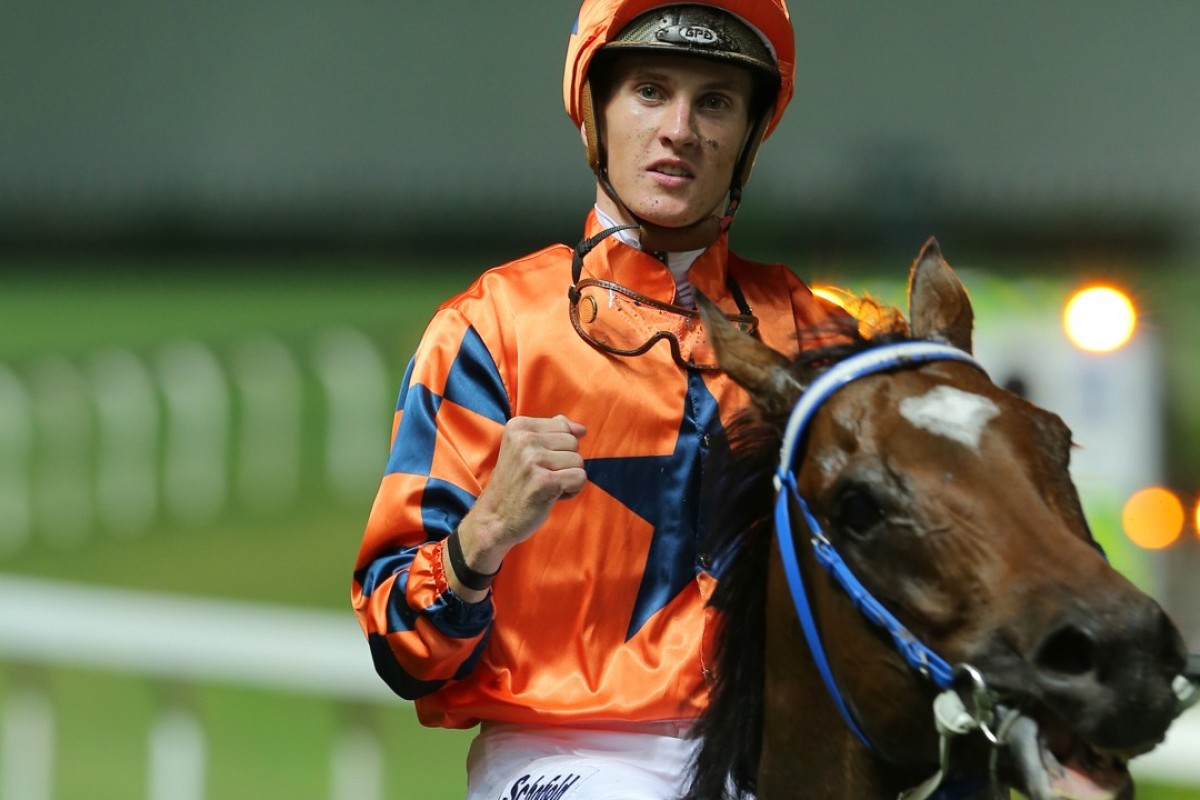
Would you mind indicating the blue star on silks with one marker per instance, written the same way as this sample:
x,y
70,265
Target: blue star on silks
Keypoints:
x,y
665,492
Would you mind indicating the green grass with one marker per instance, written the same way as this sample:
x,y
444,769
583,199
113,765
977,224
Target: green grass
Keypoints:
x,y
259,744
1148,791
305,562
82,311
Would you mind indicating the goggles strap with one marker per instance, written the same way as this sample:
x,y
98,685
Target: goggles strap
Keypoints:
x,y
586,246
738,297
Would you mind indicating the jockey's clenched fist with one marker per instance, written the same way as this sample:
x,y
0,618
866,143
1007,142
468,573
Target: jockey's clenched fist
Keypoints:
x,y
538,465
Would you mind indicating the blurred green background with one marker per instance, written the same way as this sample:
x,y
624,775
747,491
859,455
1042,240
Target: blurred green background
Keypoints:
x,y
309,179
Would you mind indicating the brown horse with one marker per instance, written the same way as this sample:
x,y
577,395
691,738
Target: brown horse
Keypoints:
x,y
947,509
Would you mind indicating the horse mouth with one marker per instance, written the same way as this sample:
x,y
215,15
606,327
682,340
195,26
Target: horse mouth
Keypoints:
x,y
1055,764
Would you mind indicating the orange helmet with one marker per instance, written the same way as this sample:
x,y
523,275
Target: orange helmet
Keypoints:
x,y
600,23
756,34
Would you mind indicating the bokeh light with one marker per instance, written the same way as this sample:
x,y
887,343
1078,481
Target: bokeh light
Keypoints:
x,y
1099,319
1153,517
873,315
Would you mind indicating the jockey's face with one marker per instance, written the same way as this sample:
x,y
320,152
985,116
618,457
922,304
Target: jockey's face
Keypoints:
x,y
672,128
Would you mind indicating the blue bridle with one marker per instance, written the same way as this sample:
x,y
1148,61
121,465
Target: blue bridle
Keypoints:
x,y
918,656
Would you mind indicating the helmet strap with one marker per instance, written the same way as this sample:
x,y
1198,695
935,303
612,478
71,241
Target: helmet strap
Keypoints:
x,y
758,133
591,136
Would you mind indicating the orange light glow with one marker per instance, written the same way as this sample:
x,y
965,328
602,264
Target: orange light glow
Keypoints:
x,y
1196,517
831,293
1153,518
1099,319
872,315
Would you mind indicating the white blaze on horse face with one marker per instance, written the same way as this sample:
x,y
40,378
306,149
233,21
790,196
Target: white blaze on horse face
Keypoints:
x,y
952,413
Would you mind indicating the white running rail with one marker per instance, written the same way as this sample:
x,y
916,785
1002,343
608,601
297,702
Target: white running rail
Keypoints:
x,y
199,641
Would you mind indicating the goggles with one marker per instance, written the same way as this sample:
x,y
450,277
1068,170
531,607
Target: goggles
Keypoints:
x,y
617,320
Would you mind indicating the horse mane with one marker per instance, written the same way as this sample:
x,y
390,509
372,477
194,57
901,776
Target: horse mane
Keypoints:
x,y
725,766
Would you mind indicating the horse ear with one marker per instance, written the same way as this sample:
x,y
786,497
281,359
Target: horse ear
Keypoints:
x,y
938,306
751,364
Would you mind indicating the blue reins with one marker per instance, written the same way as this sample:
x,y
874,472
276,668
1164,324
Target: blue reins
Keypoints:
x,y
918,656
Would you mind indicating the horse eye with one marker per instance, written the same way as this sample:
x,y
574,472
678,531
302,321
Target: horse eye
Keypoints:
x,y
857,512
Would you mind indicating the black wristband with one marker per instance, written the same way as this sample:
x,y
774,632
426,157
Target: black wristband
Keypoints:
x,y
478,581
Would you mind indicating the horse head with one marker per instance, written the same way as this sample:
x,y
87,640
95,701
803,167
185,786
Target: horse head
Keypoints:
x,y
949,499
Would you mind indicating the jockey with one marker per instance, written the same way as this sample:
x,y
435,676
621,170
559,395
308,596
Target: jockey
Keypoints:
x,y
534,561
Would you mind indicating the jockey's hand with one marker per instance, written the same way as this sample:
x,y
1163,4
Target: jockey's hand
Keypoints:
x,y
538,465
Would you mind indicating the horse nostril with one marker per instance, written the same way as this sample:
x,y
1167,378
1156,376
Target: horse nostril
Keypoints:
x,y
1068,651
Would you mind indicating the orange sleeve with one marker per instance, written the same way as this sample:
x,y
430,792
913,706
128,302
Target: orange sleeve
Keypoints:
x,y
420,633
